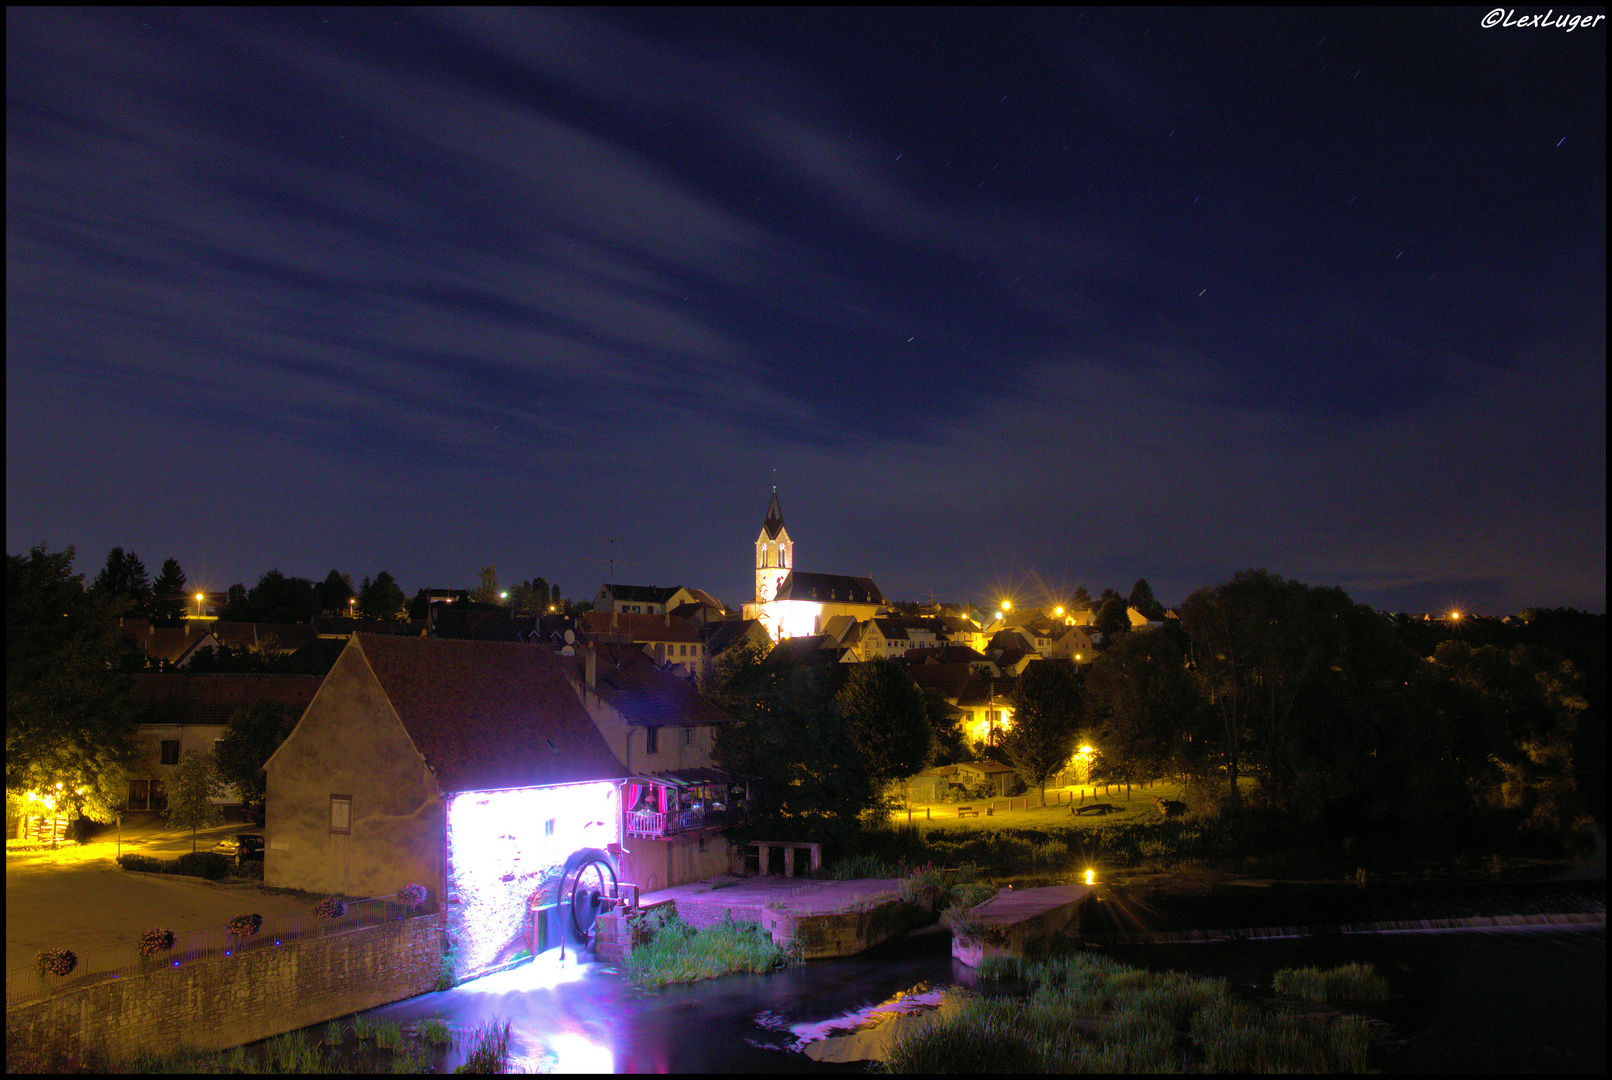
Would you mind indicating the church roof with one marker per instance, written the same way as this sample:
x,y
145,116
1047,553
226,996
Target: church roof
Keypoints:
x,y
829,588
774,521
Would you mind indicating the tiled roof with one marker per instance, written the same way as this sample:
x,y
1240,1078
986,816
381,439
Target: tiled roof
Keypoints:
x,y
729,633
210,699
468,624
629,682
947,654
829,588
489,714
702,597
639,626
959,683
640,594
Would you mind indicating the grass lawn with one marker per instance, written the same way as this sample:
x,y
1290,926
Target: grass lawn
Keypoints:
x,y
1027,813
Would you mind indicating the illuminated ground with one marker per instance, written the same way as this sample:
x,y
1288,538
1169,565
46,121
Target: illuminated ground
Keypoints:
x,y
76,898
1055,815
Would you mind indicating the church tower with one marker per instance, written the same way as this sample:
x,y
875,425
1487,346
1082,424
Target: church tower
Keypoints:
x,y
775,553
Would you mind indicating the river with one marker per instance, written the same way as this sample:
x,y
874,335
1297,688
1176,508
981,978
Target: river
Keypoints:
x,y
1471,1001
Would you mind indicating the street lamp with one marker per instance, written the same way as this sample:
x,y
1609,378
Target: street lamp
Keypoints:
x,y
199,598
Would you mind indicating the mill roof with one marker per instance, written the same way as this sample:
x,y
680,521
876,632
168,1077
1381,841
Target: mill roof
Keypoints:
x,y
629,682
489,714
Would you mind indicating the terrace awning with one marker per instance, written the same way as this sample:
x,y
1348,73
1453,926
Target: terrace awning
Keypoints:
x,y
690,778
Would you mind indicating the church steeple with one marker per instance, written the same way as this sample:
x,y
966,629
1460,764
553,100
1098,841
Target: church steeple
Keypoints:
x,y
775,553
775,517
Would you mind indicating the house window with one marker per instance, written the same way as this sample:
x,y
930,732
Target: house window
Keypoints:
x,y
548,827
652,740
688,736
170,751
341,813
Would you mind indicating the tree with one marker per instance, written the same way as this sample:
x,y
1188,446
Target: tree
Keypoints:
x,y
253,735
332,594
381,598
1112,617
192,786
1082,600
168,592
522,598
1046,717
1145,711
1142,598
487,592
554,597
70,730
275,598
888,717
124,577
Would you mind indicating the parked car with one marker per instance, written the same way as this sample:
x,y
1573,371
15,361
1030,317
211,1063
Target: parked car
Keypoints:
x,y
242,847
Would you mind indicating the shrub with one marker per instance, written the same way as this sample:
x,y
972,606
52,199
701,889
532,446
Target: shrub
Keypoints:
x,y
156,940
331,907
411,896
143,864
244,926
448,971
56,961
203,864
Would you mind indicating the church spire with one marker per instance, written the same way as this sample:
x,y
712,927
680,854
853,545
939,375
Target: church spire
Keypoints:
x,y
775,517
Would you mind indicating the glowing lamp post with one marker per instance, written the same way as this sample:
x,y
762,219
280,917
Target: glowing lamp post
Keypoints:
x,y
1091,877
199,598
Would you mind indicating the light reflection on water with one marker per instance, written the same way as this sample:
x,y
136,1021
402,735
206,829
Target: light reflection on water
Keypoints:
x,y
1466,999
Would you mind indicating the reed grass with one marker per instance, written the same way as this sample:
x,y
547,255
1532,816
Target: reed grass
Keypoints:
x,y
434,1031
333,1034
489,1048
1351,982
1141,1016
677,953
388,1035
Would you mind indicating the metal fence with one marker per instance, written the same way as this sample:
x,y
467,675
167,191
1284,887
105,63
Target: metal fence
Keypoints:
x,y
100,965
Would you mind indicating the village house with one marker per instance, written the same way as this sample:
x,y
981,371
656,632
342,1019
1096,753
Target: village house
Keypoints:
x,y
468,767
179,712
677,801
668,639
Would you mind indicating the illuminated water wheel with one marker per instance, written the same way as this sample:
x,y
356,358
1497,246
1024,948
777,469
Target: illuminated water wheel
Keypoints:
x,y
586,888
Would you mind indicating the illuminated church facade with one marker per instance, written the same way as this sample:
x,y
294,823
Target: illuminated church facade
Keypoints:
x,y
794,603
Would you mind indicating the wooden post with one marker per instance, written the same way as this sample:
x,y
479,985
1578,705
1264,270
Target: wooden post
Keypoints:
x,y
763,856
789,861
929,814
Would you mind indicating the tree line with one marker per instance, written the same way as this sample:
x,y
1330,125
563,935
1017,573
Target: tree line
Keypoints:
x,y
278,598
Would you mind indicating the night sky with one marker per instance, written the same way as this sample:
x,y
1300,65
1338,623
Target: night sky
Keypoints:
x,y
1003,302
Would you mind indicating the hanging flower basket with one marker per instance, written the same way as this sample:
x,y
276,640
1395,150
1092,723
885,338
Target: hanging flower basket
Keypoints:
x,y
411,896
244,926
330,908
56,961
156,940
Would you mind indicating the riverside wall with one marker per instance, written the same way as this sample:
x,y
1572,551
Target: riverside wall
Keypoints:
x,y
223,1001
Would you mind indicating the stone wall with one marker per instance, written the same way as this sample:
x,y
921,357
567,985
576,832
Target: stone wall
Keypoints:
x,y
225,1001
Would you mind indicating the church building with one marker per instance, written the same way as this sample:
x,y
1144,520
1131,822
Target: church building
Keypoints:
x,y
794,603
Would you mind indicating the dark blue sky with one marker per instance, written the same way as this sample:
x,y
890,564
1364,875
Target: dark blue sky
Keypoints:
x,y
1009,300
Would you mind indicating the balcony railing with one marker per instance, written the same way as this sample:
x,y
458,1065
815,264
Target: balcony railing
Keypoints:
x,y
651,824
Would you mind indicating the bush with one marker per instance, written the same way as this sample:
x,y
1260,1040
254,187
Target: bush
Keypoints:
x,y
156,940
448,970
56,961
244,926
143,864
411,896
331,907
203,864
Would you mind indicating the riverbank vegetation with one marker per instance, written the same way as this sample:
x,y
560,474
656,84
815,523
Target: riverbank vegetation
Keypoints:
x,y
1089,1014
674,952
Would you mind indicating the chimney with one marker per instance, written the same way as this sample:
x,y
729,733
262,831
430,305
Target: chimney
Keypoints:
x,y
590,666
668,619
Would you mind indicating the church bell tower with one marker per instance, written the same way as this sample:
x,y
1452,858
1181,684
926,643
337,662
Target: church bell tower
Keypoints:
x,y
775,553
